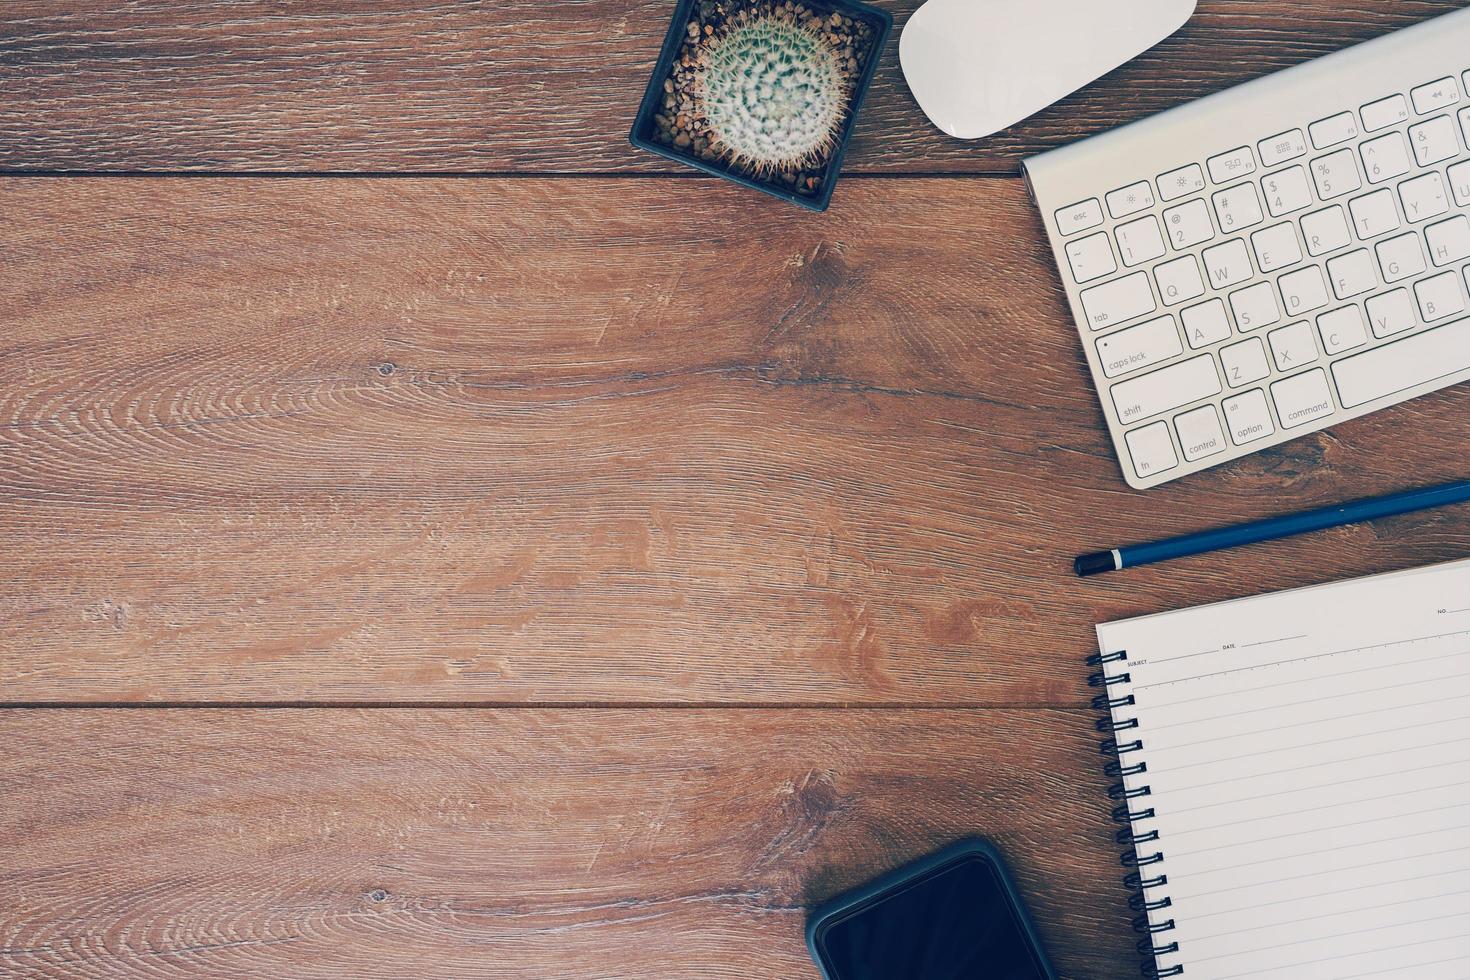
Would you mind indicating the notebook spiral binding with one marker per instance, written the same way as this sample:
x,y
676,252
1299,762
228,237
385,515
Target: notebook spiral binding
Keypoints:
x,y
1145,896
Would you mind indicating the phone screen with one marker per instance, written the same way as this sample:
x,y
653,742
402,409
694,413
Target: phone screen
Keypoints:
x,y
956,922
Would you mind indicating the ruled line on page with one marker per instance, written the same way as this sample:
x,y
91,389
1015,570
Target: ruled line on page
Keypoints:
x,y
1311,656
1293,813
1396,859
1329,785
1320,939
1237,865
1388,665
1340,912
1277,750
1332,893
1329,959
1314,721
1279,639
1315,764
1400,968
1194,852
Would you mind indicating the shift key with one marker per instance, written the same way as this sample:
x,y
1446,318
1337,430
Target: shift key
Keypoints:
x,y
1166,389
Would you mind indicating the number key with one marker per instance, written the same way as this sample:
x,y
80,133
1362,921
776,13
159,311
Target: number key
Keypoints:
x,y
1189,224
1385,158
1238,207
1140,241
1287,191
1336,174
1434,141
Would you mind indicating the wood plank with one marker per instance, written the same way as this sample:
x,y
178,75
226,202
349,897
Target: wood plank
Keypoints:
x,y
541,441
573,843
510,86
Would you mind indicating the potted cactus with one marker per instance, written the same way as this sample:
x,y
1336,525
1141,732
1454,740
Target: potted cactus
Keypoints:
x,y
763,92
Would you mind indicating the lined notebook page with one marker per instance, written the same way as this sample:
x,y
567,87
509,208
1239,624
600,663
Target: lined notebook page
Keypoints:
x,y
1308,762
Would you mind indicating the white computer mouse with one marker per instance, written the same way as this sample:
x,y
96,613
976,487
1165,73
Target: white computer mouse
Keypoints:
x,y
978,66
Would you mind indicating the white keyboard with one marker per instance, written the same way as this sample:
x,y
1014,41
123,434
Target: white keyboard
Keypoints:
x,y
1274,258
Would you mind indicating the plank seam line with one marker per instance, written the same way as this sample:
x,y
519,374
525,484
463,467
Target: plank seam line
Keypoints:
x,y
475,174
522,706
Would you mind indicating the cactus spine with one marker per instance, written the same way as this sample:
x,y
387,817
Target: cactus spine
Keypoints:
x,y
771,92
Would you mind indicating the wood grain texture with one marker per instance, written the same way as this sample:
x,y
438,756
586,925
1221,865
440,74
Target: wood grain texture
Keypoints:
x,y
524,843
511,85
520,441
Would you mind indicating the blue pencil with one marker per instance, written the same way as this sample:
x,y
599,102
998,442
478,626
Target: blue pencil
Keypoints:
x,y
1275,527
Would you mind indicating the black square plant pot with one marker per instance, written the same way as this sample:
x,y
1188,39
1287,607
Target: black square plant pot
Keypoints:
x,y
878,20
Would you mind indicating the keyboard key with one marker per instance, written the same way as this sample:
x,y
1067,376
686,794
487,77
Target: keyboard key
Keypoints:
x,y
1181,183
1287,191
1276,247
1434,141
1140,241
1244,362
1302,399
1400,257
1152,449
1206,324
1293,346
1464,117
1227,264
1459,176
1135,348
1336,174
1248,417
1385,158
1326,230
1352,274
1424,197
1200,434
1374,214
1091,257
1255,307
1189,224
1449,241
1281,148
1391,313
1384,113
1238,207
1131,199
1179,280
1439,297
1118,301
1230,166
1403,364
1342,330
1435,95
1333,130
1303,291
1166,389
1080,216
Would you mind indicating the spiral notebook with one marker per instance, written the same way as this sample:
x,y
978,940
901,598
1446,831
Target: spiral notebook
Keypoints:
x,y
1294,780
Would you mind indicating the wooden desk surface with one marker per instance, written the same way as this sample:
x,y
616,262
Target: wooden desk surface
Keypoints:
x,y
488,552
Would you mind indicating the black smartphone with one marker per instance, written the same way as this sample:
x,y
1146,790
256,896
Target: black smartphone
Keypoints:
x,y
952,915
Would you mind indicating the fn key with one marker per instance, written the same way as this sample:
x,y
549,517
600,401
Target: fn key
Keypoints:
x,y
1152,449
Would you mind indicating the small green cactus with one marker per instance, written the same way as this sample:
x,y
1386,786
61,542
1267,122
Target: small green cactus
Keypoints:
x,y
771,92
